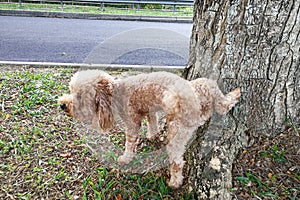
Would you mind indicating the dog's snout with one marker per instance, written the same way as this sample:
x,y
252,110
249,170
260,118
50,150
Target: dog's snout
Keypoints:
x,y
63,106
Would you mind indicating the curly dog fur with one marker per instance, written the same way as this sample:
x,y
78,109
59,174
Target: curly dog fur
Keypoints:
x,y
97,98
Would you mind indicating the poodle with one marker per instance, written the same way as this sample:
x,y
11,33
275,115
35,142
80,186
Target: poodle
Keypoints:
x,y
97,98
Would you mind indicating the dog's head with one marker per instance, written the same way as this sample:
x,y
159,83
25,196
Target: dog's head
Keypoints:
x,y
90,98
66,104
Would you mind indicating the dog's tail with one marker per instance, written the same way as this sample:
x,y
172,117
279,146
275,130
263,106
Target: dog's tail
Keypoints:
x,y
221,103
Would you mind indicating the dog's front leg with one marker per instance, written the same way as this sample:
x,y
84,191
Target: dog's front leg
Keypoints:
x,y
132,140
153,129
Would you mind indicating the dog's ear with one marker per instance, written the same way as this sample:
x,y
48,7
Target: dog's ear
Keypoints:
x,y
104,89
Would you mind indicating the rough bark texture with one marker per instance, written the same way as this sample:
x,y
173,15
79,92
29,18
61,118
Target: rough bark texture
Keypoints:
x,y
254,45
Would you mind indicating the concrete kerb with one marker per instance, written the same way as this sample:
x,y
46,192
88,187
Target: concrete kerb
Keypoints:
x,y
111,67
94,16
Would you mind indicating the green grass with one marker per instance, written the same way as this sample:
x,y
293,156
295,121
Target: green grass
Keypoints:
x,y
255,182
148,10
275,153
106,185
43,156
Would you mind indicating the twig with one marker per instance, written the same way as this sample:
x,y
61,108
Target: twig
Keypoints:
x,y
2,105
7,194
10,137
257,197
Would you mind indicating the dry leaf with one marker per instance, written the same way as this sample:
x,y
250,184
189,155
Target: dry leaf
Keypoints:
x,y
119,197
270,175
66,155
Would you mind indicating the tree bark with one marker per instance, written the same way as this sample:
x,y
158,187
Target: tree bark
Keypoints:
x,y
254,45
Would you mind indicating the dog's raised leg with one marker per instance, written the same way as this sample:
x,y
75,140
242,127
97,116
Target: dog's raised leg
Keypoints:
x,y
223,103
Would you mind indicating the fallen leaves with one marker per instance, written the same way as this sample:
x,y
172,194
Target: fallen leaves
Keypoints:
x,y
270,161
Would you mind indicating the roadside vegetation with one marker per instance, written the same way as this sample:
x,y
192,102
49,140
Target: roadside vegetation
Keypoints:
x,y
42,156
146,10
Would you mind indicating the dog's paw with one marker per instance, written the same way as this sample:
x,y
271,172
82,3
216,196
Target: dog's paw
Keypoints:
x,y
175,183
151,135
125,159
234,96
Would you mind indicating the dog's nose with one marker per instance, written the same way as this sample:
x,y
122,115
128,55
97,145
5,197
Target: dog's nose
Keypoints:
x,y
63,106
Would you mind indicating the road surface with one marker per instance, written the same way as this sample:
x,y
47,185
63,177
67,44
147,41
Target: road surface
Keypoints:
x,y
32,39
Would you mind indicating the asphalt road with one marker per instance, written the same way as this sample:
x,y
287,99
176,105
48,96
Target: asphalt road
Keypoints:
x,y
32,39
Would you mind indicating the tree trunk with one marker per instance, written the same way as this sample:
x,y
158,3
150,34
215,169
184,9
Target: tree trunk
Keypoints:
x,y
254,45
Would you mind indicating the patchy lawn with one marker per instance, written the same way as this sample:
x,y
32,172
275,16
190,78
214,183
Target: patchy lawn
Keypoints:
x,y
43,156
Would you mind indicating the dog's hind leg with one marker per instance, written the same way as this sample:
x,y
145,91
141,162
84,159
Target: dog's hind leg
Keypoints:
x,y
179,138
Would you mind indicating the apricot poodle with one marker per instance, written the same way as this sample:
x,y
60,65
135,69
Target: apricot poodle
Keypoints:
x,y
97,98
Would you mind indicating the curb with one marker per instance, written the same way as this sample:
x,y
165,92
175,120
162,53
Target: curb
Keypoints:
x,y
24,13
111,67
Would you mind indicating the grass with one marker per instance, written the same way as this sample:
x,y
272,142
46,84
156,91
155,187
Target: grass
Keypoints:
x,y
106,185
148,10
276,154
42,156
